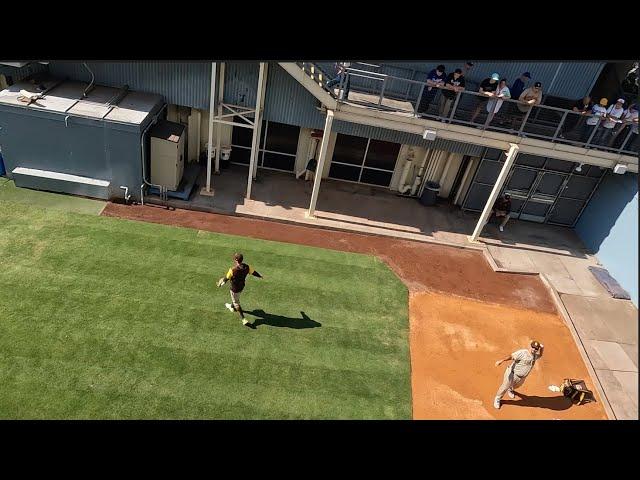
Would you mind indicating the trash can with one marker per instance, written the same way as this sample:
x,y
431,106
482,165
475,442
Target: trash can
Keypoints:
x,y
430,193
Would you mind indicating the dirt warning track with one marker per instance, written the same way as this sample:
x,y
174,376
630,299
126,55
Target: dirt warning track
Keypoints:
x,y
463,317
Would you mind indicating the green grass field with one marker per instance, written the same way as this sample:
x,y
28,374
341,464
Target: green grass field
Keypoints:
x,y
108,318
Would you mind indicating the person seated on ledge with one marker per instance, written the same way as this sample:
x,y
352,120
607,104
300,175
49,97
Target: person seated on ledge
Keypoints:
x,y
502,208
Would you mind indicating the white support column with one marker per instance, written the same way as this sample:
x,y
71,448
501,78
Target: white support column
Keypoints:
x,y
212,102
256,129
486,212
258,115
218,127
320,167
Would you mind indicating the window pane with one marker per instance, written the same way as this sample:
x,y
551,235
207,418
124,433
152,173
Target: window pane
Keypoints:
x,y
559,165
281,162
376,177
530,160
344,172
241,136
382,155
282,138
240,155
349,149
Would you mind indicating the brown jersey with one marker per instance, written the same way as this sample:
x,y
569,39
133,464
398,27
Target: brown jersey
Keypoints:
x,y
237,276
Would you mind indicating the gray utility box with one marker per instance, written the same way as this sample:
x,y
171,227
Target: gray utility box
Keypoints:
x,y
67,142
167,154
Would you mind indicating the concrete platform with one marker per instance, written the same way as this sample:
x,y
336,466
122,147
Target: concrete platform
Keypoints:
x,y
609,330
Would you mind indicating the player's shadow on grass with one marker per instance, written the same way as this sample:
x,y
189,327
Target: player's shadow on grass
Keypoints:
x,y
264,318
558,402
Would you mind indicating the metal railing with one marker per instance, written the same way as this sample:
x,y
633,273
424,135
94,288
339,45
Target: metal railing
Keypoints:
x,y
471,108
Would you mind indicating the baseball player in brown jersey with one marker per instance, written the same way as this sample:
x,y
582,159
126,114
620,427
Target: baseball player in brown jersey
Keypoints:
x,y
237,275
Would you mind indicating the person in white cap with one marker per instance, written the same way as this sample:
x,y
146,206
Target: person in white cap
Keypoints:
x,y
597,111
604,135
517,372
629,122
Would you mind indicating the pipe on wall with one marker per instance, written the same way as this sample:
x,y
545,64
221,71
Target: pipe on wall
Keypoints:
x,y
142,141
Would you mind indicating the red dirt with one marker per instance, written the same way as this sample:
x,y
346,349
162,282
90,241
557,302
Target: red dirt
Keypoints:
x,y
469,317
455,344
422,266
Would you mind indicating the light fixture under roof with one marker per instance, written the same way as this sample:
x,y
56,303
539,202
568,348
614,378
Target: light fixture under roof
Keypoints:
x,y
579,167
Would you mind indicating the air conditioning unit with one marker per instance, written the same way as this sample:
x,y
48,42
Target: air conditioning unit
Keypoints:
x,y
167,154
429,134
620,168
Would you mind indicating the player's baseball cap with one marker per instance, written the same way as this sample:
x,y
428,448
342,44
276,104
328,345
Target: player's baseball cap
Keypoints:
x,y
535,345
495,76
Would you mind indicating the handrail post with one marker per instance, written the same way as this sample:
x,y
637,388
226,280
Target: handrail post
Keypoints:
x,y
455,105
594,132
419,99
524,121
384,84
564,117
626,139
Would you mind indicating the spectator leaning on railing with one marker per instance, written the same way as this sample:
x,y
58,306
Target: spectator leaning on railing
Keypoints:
x,y
518,86
501,93
583,107
341,71
629,122
435,81
597,111
604,135
453,84
529,97
487,89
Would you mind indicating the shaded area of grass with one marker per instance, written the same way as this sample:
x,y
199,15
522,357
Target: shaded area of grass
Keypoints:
x,y
109,318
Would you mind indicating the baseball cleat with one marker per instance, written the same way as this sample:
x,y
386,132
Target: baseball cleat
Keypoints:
x,y
496,404
511,394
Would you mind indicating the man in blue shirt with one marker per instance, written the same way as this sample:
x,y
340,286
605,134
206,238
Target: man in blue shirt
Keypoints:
x,y
435,81
518,86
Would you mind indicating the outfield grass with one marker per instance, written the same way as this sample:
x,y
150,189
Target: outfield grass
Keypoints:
x,y
109,318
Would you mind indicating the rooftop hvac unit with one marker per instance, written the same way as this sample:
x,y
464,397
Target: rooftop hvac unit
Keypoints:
x,y
167,154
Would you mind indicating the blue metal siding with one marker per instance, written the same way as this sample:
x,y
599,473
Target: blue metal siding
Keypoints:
x,y
609,227
241,83
286,101
181,83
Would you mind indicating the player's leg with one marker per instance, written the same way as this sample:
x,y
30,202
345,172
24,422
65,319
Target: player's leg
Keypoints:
x,y
504,222
507,383
235,296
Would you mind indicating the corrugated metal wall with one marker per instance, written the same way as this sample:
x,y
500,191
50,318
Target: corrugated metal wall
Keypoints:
x,y
181,83
18,74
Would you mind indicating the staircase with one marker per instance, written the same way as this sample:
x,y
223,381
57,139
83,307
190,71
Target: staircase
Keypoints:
x,y
314,79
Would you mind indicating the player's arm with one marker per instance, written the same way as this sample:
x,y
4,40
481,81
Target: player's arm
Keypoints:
x,y
226,278
254,273
505,359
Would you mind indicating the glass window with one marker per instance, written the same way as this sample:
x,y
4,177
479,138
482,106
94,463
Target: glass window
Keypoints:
x,y
240,155
344,172
282,138
382,155
530,160
559,165
376,177
241,136
349,149
278,161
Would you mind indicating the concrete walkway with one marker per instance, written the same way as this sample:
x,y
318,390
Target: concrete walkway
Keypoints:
x,y
605,329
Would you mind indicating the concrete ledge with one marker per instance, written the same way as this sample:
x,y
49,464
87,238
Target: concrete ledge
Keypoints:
x,y
581,348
